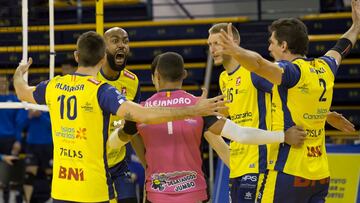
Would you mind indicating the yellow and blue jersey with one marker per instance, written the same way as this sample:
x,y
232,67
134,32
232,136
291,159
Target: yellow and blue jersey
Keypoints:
x,y
80,108
128,84
250,106
303,98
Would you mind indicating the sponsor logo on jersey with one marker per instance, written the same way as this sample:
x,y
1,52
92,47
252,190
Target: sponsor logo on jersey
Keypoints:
x,y
71,133
308,116
304,89
64,152
76,174
314,132
129,75
314,151
87,107
242,117
94,81
249,177
302,182
175,181
81,133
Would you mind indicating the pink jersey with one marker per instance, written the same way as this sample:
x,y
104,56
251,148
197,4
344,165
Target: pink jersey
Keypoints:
x,y
174,164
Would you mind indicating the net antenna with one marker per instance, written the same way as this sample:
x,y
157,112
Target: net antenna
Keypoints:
x,y
52,39
24,8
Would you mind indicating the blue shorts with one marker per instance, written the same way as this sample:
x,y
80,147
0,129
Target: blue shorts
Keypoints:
x,y
40,155
280,187
245,188
124,186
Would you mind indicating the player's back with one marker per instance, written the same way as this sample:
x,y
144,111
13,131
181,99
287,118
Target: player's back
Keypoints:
x,y
306,104
79,128
173,152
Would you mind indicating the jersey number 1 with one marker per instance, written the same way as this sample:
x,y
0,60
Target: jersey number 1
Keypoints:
x,y
322,84
71,107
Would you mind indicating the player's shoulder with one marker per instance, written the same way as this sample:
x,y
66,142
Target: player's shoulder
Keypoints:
x,y
130,75
94,81
223,74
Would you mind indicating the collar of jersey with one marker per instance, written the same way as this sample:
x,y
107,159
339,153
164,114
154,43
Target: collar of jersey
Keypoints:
x,y
109,79
303,58
79,74
234,70
169,90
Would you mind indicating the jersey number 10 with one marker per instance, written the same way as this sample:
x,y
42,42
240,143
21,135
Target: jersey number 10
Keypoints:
x,y
71,106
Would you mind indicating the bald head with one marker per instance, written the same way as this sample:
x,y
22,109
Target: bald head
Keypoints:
x,y
117,47
115,31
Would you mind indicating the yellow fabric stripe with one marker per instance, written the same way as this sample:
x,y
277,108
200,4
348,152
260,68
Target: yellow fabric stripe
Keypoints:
x,y
269,190
72,47
91,26
327,16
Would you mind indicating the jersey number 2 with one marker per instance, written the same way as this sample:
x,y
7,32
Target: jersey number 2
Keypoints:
x,y
71,107
322,84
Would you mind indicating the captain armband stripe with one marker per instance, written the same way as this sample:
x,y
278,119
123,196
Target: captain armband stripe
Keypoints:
x,y
343,47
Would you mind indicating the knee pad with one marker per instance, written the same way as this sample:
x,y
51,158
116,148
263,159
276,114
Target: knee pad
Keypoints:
x,y
29,178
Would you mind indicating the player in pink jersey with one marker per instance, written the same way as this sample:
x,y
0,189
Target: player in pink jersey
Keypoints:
x,y
174,164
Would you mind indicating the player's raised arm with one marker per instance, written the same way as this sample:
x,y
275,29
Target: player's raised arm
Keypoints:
x,y
347,40
153,115
251,60
23,91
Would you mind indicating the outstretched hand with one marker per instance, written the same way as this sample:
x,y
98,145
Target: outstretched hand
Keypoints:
x,y
22,69
212,106
355,12
226,41
339,122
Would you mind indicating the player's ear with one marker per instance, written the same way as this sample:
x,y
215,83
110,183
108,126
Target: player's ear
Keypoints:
x,y
153,79
284,46
76,56
185,74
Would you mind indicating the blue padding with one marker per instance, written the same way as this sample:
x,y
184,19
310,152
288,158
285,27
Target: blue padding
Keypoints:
x,y
221,185
332,148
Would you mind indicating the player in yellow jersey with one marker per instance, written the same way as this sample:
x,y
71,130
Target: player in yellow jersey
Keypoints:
x,y
302,96
80,107
115,74
250,106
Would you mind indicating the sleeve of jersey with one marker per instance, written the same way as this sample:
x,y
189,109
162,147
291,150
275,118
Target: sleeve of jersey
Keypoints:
x,y
39,93
291,75
261,83
209,121
110,98
331,61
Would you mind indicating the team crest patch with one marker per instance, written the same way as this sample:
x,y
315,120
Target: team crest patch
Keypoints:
x,y
123,91
238,81
92,80
129,75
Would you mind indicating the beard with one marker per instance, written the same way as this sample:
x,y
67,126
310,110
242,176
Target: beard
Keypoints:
x,y
111,60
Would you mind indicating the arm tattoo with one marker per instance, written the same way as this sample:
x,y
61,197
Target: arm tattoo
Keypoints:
x,y
128,116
